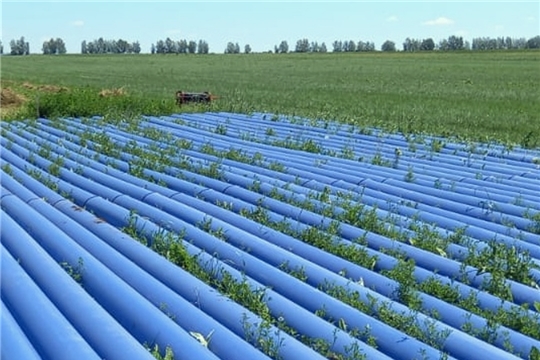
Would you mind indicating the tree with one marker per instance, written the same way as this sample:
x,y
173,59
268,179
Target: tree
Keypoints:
x,y
183,46
19,47
443,45
283,47
122,47
337,45
153,49
520,43
412,45
60,46
247,49
203,47
1,48
508,43
160,47
192,47
322,48
169,46
14,47
84,49
365,46
388,45
46,48
427,44
230,48
91,48
455,43
100,46
302,46
534,43
136,47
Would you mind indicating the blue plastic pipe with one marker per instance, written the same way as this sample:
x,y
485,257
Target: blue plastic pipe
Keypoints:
x,y
98,280
245,259
475,279
111,341
14,344
51,334
302,320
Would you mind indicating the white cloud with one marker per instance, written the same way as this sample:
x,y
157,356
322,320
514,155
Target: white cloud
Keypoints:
x,y
439,21
392,18
77,23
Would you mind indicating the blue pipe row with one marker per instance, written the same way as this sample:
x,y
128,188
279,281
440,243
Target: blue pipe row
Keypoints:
x,y
462,251
482,210
112,341
98,280
151,195
196,292
403,183
225,344
130,204
479,280
52,336
299,136
227,141
304,322
15,344
310,154
332,141
385,175
357,320
300,319
493,149
481,233
254,124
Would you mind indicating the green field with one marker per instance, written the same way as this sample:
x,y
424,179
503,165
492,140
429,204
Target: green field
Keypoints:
x,y
474,95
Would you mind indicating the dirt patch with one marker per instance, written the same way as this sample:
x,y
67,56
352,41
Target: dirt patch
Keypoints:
x,y
112,92
27,85
10,102
46,88
53,88
10,98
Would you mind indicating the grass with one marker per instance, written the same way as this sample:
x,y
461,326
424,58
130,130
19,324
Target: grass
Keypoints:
x,y
478,96
371,90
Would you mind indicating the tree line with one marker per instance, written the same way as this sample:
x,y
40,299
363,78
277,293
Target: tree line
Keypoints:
x,y
54,46
169,46
18,47
102,46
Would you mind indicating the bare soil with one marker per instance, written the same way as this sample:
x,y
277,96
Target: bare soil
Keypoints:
x,y
112,92
10,98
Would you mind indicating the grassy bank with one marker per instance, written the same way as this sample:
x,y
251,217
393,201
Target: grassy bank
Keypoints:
x,y
480,96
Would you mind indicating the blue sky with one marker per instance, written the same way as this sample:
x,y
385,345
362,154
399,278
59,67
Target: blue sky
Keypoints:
x,y
262,24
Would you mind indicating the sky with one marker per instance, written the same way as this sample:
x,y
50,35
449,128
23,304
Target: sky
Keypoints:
x,y
262,24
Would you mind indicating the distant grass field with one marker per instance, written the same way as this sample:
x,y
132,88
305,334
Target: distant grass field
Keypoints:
x,y
474,95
